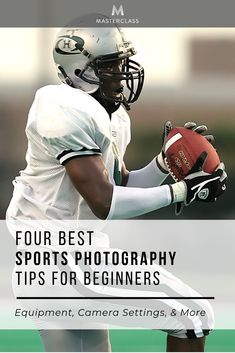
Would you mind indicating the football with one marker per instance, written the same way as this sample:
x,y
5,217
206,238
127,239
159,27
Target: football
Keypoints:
x,y
182,149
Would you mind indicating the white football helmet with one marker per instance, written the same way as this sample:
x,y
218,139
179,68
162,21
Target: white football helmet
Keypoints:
x,y
81,53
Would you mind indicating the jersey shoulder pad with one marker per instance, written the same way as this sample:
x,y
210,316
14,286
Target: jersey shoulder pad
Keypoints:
x,y
59,112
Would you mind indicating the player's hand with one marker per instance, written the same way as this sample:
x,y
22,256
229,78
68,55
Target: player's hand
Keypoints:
x,y
161,156
202,186
201,129
199,185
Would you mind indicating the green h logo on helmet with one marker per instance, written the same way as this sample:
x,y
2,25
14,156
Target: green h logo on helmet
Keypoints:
x,y
69,45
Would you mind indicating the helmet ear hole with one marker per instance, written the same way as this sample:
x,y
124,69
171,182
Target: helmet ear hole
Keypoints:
x,y
77,72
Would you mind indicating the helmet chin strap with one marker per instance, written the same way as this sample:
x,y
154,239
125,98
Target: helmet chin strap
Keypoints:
x,y
124,102
67,80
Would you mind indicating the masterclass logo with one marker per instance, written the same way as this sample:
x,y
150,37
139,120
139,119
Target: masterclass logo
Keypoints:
x,y
118,17
117,12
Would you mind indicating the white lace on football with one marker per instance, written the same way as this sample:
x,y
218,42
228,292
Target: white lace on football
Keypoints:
x,y
170,170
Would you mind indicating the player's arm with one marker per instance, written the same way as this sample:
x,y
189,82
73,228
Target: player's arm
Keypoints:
x,y
150,176
90,178
125,174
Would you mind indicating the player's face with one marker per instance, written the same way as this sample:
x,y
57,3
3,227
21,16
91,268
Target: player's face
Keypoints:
x,y
112,87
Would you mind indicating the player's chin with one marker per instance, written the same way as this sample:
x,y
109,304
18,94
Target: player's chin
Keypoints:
x,y
117,96
118,93
114,96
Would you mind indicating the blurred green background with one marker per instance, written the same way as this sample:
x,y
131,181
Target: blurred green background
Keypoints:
x,y
121,340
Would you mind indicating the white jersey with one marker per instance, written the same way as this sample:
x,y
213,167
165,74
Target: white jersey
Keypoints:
x,y
65,123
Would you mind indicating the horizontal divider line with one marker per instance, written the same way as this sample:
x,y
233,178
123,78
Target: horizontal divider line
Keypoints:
x,y
85,298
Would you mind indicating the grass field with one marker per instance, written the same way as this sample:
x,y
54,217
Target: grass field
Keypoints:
x,y
122,341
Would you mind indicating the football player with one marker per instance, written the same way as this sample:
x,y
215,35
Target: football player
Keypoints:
x,y
77,135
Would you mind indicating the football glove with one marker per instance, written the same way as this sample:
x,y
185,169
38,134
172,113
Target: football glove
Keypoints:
x,y
199,185
205,187
161,156
201,129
